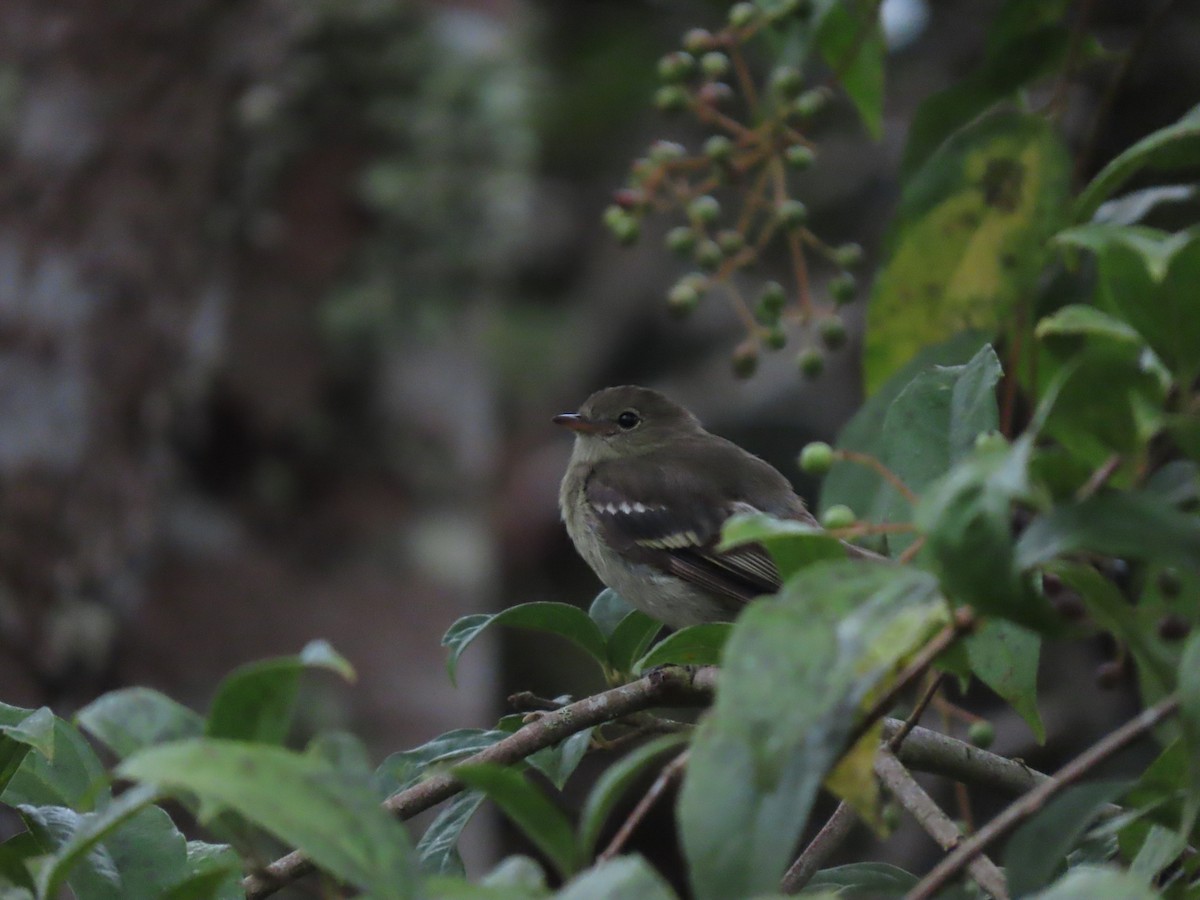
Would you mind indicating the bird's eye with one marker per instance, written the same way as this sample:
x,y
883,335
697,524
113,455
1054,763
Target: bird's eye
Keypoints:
x,y
629,419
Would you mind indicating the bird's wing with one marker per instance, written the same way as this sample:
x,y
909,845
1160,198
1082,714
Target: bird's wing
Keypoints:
x,y
668,517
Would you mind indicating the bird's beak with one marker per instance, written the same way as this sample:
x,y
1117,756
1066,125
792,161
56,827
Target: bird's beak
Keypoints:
x,y
579,423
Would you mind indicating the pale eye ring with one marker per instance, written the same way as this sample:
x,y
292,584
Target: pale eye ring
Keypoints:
x,y
629,419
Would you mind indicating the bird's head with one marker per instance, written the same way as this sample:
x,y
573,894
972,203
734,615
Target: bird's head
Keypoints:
x,y
627,421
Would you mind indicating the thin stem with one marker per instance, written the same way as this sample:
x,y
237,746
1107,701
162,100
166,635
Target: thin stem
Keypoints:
x,y
865,459
831,836
1034,800
670,772
935,684
745,81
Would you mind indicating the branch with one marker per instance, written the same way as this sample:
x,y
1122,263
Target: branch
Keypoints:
x,y
672,686
665,777
1034,800
828,839
934,822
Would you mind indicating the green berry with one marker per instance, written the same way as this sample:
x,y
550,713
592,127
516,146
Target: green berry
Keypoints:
x,y
841,288
698,40
811,363
708,255
811,102
681,240
683,298
718,148
848,256
714,93
625,227
742,14
890,816
832,332
787,81
704,209
676,67
990,442
838,516
730,241
792,213
799,157
714,64
745,360
772,297
775,338
982,734
666,151
1169,583
816,458
671,98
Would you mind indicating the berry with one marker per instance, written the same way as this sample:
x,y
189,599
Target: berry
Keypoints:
x,y
629,198
792,213
671,98
799,157
704,209
1169,584
714,64
811,363
981,733
841,288
848,256
1069,605
742,14
811,102
708,255
816,458
1109,674
683,298
676,67
838,516
730,241
699,40
745,360
832,333
718,148
775,338
787,81
681,240
772,298
714,93
1173,627
666,151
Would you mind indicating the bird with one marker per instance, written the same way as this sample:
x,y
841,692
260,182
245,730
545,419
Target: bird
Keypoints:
x,y
645,495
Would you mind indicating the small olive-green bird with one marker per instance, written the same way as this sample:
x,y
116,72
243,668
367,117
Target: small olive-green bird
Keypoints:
x,y
644,498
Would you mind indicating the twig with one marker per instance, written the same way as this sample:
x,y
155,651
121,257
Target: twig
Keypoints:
x,y
1035,799
668,686
865,459
912,797
670,771
835,830
828,839
1098,478
964,623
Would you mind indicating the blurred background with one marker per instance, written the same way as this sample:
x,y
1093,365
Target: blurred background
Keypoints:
x,y
289,292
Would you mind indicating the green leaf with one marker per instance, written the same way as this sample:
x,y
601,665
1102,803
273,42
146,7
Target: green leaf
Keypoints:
x,y
1004,656
612,784
17,855
74,778
792,545
1127,524
1189,719
1038,849
214,872
1175,147
1161,847
630,639
1148,277
966,518
1087,321
856,486
131,719
20,731
405,768
873,879
696,645
559,762
331,815
969,239
562,619
437,851
529,809
255,702
1026,42
625,876
1096,883
849,37
833,635
1137,205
